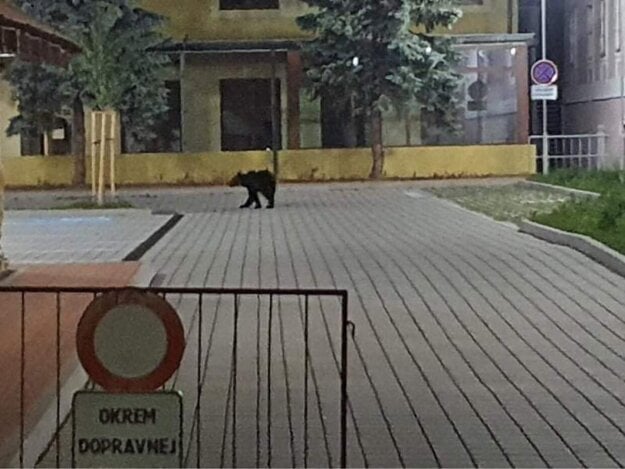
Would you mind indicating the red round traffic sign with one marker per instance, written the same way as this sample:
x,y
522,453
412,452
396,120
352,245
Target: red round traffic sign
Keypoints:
x,y
130,341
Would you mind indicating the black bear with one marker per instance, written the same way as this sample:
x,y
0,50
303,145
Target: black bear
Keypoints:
x,y
255,182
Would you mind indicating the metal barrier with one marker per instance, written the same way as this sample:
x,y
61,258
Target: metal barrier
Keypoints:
x,y
583,151
264,375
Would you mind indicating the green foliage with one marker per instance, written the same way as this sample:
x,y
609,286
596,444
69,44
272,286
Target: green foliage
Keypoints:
x,y
600,218
595,181
117,67
400,61
44,95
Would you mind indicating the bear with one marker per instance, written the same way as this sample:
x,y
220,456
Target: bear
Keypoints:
x,y
255,182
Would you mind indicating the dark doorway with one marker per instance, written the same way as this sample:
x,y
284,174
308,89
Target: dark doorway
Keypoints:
x,y
339,128
246,114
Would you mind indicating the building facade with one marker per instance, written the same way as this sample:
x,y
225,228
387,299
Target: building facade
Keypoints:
x,y
228,53
593,78
21,36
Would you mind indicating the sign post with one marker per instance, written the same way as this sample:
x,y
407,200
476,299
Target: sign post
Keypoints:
x,y
130,342
543,21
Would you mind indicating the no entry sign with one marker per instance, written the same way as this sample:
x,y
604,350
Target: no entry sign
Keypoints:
x,y
544,72
130,341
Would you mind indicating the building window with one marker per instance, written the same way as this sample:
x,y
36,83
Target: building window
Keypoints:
x,y
249,4
618,25
590,43
246,114
573,38
602,28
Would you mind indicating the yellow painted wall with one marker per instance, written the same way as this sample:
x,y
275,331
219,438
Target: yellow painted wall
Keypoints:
x,y
295,165
201,20
38,171
188,169
461,161
409,162
9,146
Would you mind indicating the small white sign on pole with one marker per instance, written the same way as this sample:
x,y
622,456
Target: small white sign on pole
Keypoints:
x,y
544,92
127,430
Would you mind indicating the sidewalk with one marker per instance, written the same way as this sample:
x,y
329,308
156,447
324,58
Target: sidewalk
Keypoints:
x,y
40,340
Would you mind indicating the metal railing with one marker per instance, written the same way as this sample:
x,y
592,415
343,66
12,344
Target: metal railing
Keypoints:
x,y
264,374
582,151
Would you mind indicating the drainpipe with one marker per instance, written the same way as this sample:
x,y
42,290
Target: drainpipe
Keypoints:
x,y
511,15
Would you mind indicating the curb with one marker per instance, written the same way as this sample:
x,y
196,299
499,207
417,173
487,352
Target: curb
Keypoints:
x,y
138,252
561,188
595,250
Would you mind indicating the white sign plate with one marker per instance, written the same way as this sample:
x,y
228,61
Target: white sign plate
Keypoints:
x,y
127,430
544,92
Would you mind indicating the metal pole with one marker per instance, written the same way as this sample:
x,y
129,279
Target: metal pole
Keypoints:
x,y
543,20
619,20
274,118
182,65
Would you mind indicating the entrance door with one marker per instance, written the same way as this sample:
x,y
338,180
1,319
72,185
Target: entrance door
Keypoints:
x,y
246,114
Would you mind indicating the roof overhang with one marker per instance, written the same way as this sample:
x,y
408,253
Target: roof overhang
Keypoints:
x,y
243,47
229,47
528,38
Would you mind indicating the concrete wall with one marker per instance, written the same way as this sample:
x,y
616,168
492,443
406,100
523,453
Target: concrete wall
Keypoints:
x,y
295,165
201,20
38,171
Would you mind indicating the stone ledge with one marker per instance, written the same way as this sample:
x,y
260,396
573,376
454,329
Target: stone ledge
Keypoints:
x,y
561,188
592,248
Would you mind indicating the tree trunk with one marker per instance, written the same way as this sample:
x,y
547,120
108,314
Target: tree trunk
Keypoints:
x,y
377,146
78,142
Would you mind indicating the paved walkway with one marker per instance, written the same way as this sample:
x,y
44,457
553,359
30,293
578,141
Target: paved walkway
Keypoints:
x,y
475,345
76,236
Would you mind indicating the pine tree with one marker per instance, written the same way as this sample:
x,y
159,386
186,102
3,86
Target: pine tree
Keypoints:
x,y
43,95
375,54
117,67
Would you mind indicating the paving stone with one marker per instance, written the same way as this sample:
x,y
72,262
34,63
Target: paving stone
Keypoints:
x,y
475,345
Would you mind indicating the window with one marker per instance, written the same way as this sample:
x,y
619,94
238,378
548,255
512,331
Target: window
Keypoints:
x,y
249,4
167,130
590,43
246,114
618,25
602,28
573,39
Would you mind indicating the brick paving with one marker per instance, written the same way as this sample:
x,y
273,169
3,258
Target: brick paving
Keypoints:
x,y
475,345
